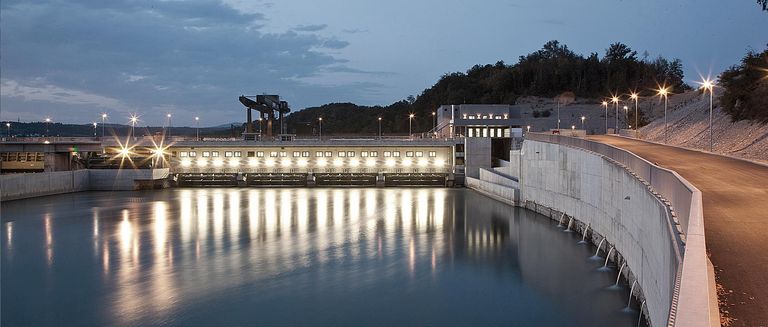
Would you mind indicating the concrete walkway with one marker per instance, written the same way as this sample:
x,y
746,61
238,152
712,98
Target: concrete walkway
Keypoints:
x,y
735,194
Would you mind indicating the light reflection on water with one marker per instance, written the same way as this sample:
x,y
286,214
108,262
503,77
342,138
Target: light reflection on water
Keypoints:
x,y
295,256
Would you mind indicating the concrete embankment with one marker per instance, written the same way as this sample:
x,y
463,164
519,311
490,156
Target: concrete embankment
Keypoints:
x,y
22,186
649,216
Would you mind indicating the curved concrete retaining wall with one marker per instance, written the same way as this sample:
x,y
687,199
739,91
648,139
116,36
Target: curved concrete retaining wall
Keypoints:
x,y
22,186
653,216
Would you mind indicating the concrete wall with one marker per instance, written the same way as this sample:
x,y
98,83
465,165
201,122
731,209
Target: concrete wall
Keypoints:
x,y
477,154
20,186
492,176
616,205
499,192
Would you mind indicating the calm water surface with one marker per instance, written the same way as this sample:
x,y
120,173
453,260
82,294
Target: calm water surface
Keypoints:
x,y
324,257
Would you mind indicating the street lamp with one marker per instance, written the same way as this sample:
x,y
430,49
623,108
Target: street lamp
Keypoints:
x,y
8,126
103,120
321,127
663,92
636,97
434,121
94,128
605,105
709,85
582,121
169,125
47,125
379,128
410,125
197,126
626,115
134,119
528,129
615,101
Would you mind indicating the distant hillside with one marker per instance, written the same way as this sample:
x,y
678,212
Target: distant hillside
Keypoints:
x,y
22,129
545,73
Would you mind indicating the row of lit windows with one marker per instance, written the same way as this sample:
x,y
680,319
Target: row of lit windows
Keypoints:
x,y
487,132
321,162
489,116
306,154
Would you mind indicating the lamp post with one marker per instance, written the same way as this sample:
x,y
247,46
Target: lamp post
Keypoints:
x,y
321,127
558,114
582,122
260,120
410,125
379,128
528,129
635,97
709,85
434,122
626,115
134,119
47,125
615,101
94,128
103,120
197,127
169,125
605,105
8,126
663,92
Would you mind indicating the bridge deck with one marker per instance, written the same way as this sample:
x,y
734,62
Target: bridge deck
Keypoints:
x,y
735,194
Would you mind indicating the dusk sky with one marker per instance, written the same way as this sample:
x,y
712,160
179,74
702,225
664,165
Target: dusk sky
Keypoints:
x,y
72,60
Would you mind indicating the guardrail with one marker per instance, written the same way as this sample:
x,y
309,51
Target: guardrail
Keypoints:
x,y
695,305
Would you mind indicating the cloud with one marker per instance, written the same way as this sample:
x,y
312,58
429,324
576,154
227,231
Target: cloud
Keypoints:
x,y
335,44
37,91
310,28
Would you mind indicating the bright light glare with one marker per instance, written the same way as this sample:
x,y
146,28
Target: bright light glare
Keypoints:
x,y
423,162
337,162
201,162
302,162
439,162
270,162
234,162
353,163
252,162
370,162
322,162
124,152
390,162
633,96
218,162
186,163
285,162
407,162
605,103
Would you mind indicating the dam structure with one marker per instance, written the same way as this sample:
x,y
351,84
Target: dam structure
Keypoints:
x,y
645,221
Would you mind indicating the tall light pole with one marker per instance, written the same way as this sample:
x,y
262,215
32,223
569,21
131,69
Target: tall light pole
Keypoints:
x,y
709,85
605,105
434,122
626,115
636,97
103,120
379,128
47,125
169,126
663,92
558,114
8,126
615,101
582,122
197,127
321,127
410,125
134,119
94,128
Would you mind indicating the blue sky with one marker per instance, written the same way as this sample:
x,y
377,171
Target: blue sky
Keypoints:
x,y
72,60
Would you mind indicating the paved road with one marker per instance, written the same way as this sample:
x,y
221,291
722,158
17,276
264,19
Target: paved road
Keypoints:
x,y
735,194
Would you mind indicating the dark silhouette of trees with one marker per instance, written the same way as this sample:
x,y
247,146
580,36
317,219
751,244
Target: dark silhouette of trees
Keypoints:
x,y
746,88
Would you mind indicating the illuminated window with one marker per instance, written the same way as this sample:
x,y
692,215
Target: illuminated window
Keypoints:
x,y
214,153
227,154
497,117
238,154
409,153
374,153
206,154
350,153
182,154
387,154
342,154
296,154
305,154
471,132
319,154
192,154
273,154
493,132
283,154
419,153
328,154
364,154
432,154
396,153
260,154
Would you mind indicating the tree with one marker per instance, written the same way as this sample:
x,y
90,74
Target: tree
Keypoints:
x,y
763,3
746,88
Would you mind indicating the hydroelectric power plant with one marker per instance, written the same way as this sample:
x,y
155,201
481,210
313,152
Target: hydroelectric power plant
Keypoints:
x,y
476,222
